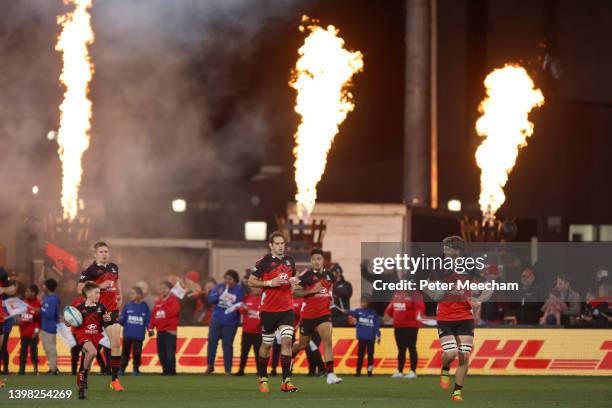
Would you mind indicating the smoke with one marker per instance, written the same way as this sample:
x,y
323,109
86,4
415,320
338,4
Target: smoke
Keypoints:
x,y
168,113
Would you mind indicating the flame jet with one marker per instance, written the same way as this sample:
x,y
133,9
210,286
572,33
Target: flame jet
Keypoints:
x,y
505,127
321,77
75,110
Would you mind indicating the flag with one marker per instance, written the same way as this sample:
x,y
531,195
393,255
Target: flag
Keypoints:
x,y
61,259
178,290
14,306
65,334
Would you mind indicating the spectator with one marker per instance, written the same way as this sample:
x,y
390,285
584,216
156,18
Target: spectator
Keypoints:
x,y
251,327
343,290
527,310
603,283
225,319
146,296
50,312
204,309
596,312
571,299
189,302
404,309
164,318
29,328
492,311
245,279
553,308
135,318
367,330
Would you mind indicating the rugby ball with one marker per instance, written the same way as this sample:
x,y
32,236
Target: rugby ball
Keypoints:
x,y
72,316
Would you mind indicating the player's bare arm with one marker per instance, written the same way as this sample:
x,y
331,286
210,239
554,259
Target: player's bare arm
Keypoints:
x,y
301,292
119,294
255,282
484,296
434,295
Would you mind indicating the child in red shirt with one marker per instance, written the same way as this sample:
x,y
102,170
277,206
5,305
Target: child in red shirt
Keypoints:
x,y
164,318
251,327
405,309
88,335
29,328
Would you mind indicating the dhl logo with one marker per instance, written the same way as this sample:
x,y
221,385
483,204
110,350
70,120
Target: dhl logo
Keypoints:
x,y
497,351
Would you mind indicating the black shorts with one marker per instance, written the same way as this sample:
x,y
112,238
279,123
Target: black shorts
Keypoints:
x,y
308,326
456,328
270,321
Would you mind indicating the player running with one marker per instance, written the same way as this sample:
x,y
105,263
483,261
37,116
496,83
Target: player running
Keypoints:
x,y
106,276
275,273
455,321
316,285
88,335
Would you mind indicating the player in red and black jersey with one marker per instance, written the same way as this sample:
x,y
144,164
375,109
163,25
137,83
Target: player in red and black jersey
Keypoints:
x,y
455,321
106,276
7,289
316,286
275,273
95,318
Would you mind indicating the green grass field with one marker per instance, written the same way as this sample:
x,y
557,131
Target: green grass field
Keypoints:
x,y
219,391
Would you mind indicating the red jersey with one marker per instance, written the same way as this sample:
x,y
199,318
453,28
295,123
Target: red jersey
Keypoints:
x,y
317,304
405,308
29,322
100,273
298,306
93,323
165,314
250,314
77,300
277,299
455,305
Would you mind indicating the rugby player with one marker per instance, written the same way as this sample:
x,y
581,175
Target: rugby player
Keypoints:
x,y
316,286
89,333
106,276
455,321
275,273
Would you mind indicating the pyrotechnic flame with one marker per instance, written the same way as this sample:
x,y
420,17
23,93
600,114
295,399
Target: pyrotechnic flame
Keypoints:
x,y
321,78
73,134
505,126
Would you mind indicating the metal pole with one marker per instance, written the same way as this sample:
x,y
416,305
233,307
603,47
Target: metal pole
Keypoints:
x,y
434,103
417,154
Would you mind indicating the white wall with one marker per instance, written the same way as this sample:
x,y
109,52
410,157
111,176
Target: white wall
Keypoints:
x,y
348,225
238,259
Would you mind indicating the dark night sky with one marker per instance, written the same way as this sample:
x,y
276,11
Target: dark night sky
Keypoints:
x,y
564,170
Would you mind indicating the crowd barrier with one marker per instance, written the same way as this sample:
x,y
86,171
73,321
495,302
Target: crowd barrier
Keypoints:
x,y
507,351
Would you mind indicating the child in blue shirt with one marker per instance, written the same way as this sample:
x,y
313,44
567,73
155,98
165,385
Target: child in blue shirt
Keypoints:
x,y
225,296
367,331
134,318
49,313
